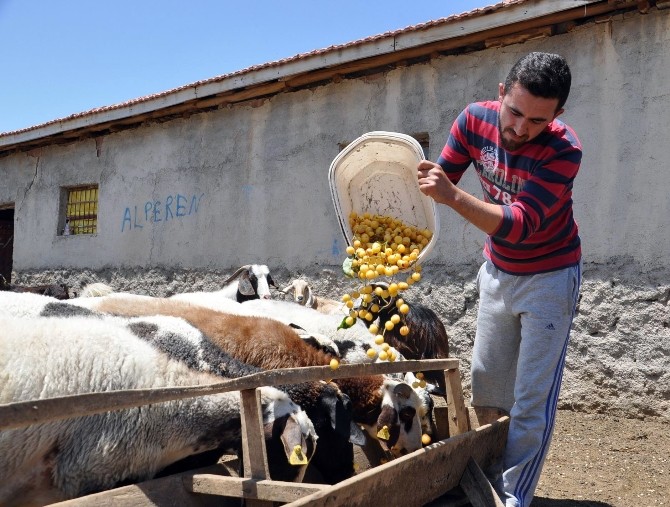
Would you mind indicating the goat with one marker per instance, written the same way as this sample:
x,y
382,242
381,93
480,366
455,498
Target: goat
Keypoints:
x,y
301,293
269,344
54,461
56,290
325,405
251,281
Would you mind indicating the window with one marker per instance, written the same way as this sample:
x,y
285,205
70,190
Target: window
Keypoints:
x,y
81,211
424,141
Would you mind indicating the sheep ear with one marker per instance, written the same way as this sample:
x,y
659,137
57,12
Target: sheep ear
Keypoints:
x,y
286,289
245,286
298,449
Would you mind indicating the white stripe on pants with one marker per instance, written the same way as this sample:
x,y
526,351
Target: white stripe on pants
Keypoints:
x,y
523,325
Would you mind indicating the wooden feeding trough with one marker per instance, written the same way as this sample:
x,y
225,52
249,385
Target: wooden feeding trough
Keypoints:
x,y
453,462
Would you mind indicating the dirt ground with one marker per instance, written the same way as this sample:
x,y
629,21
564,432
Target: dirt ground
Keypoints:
x,y
601,461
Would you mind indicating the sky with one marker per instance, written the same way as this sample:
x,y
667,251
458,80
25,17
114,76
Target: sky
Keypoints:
x,y
58,58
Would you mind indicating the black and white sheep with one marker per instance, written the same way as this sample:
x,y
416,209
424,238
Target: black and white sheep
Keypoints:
x,y
251,281
52,357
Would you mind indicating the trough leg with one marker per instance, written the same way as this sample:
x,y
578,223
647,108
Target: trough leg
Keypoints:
x,y
254,455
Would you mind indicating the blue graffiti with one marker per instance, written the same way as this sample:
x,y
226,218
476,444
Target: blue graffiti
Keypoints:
x,y
175,207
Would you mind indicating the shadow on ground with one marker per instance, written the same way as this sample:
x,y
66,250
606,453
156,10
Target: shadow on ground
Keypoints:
x,y
554,502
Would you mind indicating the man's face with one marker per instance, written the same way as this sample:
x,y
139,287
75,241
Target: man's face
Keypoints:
x,y
523,115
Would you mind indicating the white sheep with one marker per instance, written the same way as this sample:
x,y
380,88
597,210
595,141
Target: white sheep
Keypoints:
x,y
51,357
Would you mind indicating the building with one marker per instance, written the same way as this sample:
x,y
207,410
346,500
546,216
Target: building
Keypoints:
x,y
167,192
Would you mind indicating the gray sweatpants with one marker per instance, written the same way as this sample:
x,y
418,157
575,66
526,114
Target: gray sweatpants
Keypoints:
x,y
523,327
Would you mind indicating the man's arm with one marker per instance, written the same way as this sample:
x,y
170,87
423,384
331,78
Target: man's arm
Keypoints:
x,y
435,183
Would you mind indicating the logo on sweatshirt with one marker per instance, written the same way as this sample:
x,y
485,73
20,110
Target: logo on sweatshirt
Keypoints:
x,y
489,159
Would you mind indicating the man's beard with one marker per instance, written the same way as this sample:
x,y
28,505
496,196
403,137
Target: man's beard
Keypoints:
x,y
508,144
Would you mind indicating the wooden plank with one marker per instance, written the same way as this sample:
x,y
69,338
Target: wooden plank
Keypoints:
x,y
479,416
441,416
458,416
239,487
16,415
429,472
254,455
164,492
477,487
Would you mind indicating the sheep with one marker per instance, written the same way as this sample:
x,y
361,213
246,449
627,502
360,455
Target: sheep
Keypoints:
x,y
269,344
427,338
352,343
251,281
58,291
325,405
49,462
301,293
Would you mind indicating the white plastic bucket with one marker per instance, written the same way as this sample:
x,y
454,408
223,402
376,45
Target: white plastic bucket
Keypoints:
x,y
377,174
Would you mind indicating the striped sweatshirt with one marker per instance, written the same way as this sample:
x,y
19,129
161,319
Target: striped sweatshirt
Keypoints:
x,y
533,184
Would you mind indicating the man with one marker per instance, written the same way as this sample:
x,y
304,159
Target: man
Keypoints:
x,y
526,160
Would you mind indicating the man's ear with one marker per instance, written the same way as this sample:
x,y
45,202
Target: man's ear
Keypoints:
x,y
501,91
558,113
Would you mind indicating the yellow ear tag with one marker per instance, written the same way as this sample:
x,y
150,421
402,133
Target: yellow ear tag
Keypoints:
x,y
297,457
384,433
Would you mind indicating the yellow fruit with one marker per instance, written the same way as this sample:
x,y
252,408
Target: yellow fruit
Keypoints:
x,y
372,353
404,331
349,321
425,439
404,309
383,355
416,276
334,364
379,339
374,329
388,325
395,318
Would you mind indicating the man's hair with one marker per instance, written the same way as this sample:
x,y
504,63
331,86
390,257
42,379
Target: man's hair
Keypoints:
x,y
544,75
